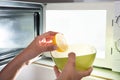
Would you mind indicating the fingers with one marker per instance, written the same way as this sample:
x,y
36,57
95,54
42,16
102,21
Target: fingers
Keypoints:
x,y
47,35
44,41
50,33
57,72
69,66
51,47
87,72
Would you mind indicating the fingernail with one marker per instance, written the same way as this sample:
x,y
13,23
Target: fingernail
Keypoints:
x,y
71,54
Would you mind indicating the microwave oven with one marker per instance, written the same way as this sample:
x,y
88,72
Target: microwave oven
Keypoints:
x,y
86,22
94,23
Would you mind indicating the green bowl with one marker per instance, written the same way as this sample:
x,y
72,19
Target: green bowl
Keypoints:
x,y
85,55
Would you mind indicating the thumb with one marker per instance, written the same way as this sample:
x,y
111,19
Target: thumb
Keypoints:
x,y
71,60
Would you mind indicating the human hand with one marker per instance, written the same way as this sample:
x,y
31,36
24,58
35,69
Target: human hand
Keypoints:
x,y
44,41
41,43
69,72
27,55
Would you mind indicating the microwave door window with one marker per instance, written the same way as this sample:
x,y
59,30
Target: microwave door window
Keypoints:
x,y
16,31
17,27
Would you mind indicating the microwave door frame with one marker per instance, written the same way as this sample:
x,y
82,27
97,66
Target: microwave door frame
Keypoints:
x,y
36,23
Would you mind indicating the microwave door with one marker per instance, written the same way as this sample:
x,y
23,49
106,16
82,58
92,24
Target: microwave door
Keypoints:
x,y
20,23
37,23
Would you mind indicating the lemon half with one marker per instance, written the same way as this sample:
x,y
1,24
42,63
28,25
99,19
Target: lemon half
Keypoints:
x,y
61,43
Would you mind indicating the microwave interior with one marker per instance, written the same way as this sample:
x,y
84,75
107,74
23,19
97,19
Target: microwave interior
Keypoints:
x,y
20,23
89,23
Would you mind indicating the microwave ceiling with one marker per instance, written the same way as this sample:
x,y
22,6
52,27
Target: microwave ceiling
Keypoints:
x,y
15,11
19,4
14,8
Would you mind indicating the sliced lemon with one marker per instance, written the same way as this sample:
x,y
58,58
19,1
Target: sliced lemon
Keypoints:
x,y
61,43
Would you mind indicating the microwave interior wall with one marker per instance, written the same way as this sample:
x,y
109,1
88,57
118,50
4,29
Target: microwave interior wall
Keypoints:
x,y
59,10
19,25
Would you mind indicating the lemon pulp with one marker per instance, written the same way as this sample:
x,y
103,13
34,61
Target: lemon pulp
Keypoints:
x,y
61,43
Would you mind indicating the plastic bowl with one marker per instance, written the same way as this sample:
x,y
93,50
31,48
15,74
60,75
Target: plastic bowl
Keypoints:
x,y
85,55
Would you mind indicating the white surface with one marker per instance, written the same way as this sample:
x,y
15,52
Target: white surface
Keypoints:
x,y
101,73
36,72
44,71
